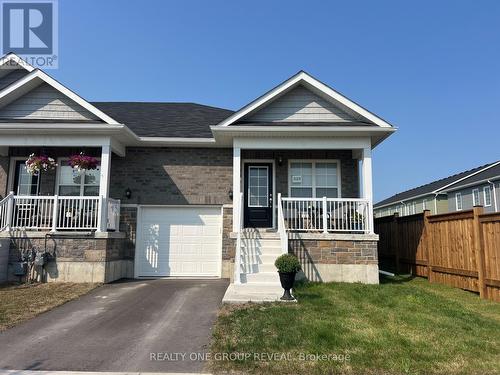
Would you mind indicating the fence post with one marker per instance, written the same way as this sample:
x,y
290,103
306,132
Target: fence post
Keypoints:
x,y
325,219
479,250
10,210
55,215
426,241
395,233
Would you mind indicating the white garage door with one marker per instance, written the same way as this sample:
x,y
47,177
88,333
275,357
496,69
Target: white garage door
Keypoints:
x,y
180,241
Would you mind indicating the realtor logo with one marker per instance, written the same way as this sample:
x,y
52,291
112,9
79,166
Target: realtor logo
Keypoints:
x,y
29,29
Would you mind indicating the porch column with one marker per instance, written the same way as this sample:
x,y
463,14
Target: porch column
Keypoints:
x,y
236,186
367,181
104,187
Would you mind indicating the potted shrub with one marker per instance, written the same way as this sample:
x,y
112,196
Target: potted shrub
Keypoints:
x,y
39,163
81,162
288,265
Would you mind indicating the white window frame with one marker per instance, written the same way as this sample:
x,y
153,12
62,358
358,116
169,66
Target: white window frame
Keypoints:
x,y
248,189
313,171
60,160
458,198
474,202
12,173
487,189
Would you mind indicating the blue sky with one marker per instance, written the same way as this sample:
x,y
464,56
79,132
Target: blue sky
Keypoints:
x,y
431,68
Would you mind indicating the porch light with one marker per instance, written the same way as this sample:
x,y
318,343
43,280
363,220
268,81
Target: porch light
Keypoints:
x,y
230,194
128,193
280,160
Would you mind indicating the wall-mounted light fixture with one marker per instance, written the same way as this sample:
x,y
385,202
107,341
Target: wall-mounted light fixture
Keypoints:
x,y
128,193
230,194
280,160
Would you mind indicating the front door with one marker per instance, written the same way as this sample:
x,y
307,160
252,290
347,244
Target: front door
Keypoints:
x,y
258,195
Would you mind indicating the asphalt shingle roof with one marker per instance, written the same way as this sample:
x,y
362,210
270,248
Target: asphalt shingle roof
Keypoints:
x,y
492,173
189,120
429,188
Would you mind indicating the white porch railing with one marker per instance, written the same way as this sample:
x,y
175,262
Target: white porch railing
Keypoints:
x,y
282,227
58,213
327,214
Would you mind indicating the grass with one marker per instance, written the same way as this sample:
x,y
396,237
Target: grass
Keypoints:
x,y
19,302
402,326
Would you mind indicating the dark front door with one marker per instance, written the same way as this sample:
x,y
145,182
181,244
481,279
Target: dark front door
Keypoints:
x,y
258,196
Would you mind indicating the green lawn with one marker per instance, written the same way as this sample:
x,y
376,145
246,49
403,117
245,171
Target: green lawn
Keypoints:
x,y
402,326
20,302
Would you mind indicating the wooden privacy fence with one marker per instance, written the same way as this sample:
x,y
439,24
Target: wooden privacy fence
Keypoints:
x,y
461,249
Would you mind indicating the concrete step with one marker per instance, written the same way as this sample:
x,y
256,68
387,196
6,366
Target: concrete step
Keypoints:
x,y
262,235
261,251
258,258
256,268
255,292
261,277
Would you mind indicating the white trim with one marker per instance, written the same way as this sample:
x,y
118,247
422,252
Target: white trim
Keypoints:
x,y
475,183
60,159
19,61
313,171
40,75
295,80
474,203
458,198
487,188
12,174
275,197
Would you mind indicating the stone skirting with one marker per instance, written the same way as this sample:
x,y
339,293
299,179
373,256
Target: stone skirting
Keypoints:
x,y
73,257
346,260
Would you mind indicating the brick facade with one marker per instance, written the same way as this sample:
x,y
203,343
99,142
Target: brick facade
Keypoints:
x,y
348,166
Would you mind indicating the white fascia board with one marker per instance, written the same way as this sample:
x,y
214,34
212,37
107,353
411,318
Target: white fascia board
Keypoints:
x,y
294,80
290,130
303,143
471,184
37,74
375,207
12,57
466,177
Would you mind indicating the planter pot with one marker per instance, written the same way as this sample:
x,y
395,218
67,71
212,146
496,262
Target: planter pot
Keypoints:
x,y
287,279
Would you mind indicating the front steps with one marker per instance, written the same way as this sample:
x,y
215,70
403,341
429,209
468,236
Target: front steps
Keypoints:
x,y
259,277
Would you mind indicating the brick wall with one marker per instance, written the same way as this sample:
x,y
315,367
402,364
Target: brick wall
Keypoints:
x,y
173,176
348,166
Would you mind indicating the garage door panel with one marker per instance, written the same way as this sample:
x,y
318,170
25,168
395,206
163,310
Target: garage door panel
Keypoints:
x,y
180,242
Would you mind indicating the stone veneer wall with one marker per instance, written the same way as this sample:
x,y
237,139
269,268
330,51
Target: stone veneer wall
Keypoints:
x,y
77,258
347,260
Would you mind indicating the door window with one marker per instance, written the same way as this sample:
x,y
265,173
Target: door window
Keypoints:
x,y
26,184
258,186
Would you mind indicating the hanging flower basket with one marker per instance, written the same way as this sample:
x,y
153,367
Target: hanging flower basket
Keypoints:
x,y
39,163
82,162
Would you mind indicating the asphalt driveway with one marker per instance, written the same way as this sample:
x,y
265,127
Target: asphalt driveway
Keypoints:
x,y
127,326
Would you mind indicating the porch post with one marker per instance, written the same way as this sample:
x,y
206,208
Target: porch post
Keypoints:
x,y
236,186
367,183
104,187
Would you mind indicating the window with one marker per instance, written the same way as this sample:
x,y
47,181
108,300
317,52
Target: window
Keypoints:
x,y
314,179
258,186
458,199
25,183
475,197
71,182
487,196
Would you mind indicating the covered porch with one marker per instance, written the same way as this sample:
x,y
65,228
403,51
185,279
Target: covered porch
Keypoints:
x,y
59,200
304,186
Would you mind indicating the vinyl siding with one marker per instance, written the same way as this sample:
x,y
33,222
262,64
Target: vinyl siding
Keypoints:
x,y
467,200
441,204
11,77
45,102
301,105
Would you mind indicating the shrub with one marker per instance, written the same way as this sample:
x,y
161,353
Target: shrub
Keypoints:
x,y
287,263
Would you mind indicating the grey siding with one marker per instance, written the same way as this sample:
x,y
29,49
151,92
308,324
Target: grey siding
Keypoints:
x,y
45,102
467,198
12,76
301,105
438,207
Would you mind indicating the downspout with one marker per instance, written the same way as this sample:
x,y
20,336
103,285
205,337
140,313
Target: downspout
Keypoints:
x,y
404,208
435,204
494,195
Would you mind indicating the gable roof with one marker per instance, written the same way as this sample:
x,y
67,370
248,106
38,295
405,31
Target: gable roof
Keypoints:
x,y
492,173
303,78
183,120
434,187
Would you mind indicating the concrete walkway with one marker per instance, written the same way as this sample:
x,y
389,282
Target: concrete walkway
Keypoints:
x,y
135,326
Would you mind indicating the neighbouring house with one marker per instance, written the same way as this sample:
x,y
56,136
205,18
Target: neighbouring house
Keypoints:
x,y
189,190
462,191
